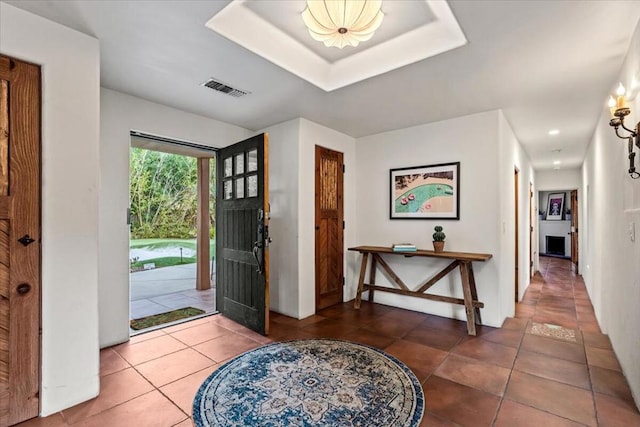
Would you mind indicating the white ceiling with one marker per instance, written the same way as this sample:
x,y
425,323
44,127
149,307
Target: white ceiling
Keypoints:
x,y
547,64
414,30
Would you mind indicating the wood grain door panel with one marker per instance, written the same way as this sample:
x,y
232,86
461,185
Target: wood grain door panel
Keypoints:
x,y
329,218
516,182
19,220
574,231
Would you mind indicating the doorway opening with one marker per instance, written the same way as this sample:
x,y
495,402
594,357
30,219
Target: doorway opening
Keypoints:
x,y
558,230
172,232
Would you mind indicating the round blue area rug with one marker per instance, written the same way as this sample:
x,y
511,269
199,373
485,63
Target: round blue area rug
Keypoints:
x,y
316,382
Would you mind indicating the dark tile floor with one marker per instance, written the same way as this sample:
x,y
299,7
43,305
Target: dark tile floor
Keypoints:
x,y
502,377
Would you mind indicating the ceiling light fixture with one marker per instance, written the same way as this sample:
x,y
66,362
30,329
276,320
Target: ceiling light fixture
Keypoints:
x,y
556,162
342,23
619,111
554,132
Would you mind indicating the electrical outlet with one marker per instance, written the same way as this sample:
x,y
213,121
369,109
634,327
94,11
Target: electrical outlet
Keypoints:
x,y
632,231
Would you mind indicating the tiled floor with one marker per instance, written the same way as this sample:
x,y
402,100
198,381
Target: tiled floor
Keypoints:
x,y
502,377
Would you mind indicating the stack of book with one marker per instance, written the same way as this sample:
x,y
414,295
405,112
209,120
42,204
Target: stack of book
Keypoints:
x,y
403,247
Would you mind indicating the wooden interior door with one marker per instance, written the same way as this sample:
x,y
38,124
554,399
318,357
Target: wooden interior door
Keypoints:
x,y
329,227
532,216
242,213
19,240
517,214
574,231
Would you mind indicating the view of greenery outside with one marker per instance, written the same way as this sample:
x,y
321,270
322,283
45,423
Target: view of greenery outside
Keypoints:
x,y
163,203
164,252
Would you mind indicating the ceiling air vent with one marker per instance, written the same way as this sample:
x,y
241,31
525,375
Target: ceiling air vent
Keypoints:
x,y
224,88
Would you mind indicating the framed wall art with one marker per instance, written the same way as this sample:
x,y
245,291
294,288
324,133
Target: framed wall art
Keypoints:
x,y
555,206
425,192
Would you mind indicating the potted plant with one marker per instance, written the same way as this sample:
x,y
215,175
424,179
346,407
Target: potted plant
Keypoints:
x,y
438,239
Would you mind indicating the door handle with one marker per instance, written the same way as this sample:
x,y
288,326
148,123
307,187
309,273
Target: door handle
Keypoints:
x,y
257,245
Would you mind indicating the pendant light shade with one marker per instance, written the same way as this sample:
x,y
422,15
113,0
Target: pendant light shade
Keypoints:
x,y
342,23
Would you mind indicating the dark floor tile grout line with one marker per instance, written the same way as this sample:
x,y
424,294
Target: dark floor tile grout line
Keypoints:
x,y
158,389
506,385
119,404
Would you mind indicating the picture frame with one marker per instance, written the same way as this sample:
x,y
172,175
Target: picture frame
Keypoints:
x,y
555,206
425,192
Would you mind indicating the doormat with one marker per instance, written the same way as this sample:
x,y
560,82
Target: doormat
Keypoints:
x,y
553,331
159,319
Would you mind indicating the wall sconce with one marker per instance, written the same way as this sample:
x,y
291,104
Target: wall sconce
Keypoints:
x,y
619,111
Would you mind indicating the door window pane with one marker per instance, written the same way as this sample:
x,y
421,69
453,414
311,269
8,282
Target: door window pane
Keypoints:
x,y
252,186
252,161
239,188
228,167
239,164
228,190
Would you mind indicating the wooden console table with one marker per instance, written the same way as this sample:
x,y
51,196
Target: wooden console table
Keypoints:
x,y
460,259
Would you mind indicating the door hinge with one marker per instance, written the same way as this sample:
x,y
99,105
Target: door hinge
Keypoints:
x,y
343,225
343,168
531,228
343,281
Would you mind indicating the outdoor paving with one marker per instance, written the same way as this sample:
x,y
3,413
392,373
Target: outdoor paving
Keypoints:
x,y
169,288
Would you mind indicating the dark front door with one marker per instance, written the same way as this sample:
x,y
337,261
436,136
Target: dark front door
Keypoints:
x,y
19,240
329,227
242,259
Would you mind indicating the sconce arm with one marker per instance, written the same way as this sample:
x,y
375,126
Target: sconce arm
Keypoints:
x,y
617,129
633,132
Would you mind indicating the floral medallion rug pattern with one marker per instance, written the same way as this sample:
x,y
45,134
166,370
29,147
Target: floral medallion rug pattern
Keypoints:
x,y
317,382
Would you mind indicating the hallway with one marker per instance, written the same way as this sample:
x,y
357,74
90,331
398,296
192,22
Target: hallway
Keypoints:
x,y
558,296
523,374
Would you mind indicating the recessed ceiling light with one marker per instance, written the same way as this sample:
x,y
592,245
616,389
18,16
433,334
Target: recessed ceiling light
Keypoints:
x,y
556,162
554,132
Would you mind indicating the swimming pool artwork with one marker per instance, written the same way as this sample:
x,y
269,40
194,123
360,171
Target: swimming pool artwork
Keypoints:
x,y
425,192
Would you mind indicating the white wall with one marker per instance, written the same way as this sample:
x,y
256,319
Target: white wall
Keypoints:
x,y
564,179
292,194
120,114
283,227
70,171
312,134
612,270
511,156
471,140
